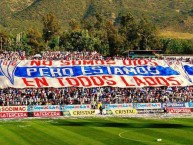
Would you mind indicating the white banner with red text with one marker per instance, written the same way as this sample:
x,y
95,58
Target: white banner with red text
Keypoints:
x,y
90,73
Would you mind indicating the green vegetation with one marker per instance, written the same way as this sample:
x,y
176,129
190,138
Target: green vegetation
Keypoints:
x,y
96,131
95,33
108,26
167,14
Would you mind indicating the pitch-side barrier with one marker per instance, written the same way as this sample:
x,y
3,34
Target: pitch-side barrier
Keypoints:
x,y
86,110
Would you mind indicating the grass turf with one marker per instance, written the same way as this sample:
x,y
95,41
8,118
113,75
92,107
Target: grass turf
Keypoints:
x,y
97,131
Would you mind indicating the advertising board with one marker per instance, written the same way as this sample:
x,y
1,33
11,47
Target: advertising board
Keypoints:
x,y
179,110
116,106
47,114
147,111
147,105
79,113
13,109
121,111
174,105
75,107
13,114
43,108
190,104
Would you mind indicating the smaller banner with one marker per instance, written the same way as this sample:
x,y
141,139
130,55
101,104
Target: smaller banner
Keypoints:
x,y
75,107
80,113
147,105
190,104
116,106
121,111
13,109
13,114
179,110
47,114
43,108
147,111
175,105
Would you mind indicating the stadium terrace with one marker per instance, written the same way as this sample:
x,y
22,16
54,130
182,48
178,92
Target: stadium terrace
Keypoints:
x,y
50,86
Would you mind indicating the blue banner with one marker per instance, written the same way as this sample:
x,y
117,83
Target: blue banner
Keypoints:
x,y
31,72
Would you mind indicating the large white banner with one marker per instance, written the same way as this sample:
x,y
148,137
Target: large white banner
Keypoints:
x,y
90,73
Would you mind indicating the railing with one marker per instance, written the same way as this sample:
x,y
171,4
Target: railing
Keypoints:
x,y
86,110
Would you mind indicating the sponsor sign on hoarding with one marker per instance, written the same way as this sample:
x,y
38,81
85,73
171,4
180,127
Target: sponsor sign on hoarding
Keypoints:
x,y
13,109
116,106
47,114
190,104
13,114
147,105
79,113
75,107
44,108
121,111
174,105
147,111
179,110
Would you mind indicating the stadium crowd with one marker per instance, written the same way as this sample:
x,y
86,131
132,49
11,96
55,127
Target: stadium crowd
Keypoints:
x,y
75,95
75,55
106,95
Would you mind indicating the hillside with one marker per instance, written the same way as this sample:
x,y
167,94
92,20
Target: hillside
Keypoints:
x,y
172,15
9,7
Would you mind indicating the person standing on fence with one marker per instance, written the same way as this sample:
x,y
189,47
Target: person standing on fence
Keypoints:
x,y
101,110
165,109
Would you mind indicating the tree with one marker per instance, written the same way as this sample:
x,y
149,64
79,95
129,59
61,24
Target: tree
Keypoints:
x,y
96,26
177,46
188,47
128,30
74,25
3,39
148,35
65,42
78,40
34,39
51,27
54,42
101,44
81,40
114,39
88,23
99,21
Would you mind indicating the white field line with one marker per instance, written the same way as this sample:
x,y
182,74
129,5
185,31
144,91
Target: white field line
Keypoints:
x,y
120,135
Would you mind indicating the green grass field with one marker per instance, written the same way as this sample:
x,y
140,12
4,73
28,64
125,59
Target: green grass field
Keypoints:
x,y
97,131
